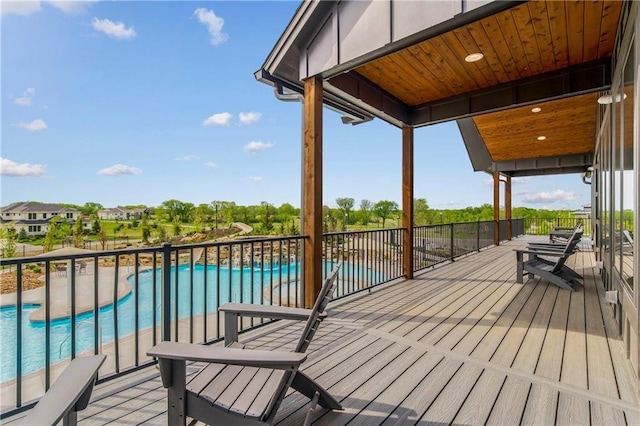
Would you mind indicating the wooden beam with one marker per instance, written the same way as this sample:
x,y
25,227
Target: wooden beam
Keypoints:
x,y
496,208
407,201
312,189
507,206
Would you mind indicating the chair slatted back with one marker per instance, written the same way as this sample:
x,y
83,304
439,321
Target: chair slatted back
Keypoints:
x,y
569,248
323,299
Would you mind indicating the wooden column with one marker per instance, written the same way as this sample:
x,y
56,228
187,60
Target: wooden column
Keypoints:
x,y
312,189
407,201
507,206
496,208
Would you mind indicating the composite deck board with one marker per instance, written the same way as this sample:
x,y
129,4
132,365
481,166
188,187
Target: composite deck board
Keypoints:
x,y
461,343
476,408
432,316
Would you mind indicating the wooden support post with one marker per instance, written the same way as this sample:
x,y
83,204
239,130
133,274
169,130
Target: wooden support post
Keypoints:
x,y
496,208
407,201
507,206
312,189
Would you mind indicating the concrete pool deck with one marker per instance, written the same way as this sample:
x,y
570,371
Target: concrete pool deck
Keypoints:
x,y
84,291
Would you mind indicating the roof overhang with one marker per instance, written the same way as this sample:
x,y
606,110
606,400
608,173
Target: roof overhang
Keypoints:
x,y
404,62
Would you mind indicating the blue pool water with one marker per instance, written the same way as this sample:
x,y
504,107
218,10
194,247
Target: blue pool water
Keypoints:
x,y
234,286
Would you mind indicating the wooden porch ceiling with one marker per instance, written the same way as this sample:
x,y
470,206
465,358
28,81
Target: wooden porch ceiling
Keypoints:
x,y
567,124
529,40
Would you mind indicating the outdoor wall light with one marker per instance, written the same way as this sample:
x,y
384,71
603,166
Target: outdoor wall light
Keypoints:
x,y
608,99
474,57
536,109
541,138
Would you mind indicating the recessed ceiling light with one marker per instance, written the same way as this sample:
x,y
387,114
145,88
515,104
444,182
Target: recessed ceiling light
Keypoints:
x,y
541,138
607,99
536,109
474,57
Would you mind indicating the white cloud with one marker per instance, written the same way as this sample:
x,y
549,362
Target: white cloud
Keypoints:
x,y
120,169
187,157
74,7
19,7
549,197
256,178
113,29
249,117
219,119
27,7
210,164
26,98
11,168
257,146
213,23
34,126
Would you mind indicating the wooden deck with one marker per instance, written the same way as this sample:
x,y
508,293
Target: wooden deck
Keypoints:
x,y
461,343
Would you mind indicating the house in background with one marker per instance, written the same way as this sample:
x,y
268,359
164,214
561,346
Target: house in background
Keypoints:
x,y
35,218
118,213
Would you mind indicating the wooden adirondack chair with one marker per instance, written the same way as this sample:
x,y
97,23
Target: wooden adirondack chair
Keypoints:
x,y
575,238
242,386
556,271
69,394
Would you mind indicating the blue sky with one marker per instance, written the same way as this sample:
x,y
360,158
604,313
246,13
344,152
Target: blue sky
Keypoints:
x,y
139,102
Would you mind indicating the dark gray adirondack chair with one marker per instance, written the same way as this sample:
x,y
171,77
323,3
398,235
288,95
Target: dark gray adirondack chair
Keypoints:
x,y
69,394
555,272
575,238
242,386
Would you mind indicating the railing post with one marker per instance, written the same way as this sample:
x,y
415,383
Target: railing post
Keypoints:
x,y
451,242
478,235
166,292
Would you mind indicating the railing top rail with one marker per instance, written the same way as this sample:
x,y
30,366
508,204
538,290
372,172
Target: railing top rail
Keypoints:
x,y
236,241
360,231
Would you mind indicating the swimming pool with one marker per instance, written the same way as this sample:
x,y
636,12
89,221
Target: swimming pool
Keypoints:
x,y
235,285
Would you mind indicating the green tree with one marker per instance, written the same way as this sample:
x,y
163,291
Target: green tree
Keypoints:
x,y
103,237
285,212
175,209
345,205
90,208
145,228
420,211
203,214
22,235
161,234
96,226
366,207
266,216
9,236
385,209
52,235
293,228
78,233
176,227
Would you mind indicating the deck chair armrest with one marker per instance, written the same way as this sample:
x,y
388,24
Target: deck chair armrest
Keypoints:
x,y
248,358
70,393
232,311
541,252
267,311
546,247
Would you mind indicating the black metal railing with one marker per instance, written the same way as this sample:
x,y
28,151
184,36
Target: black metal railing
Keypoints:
x,y
541,226
369,258
434,244
122,302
